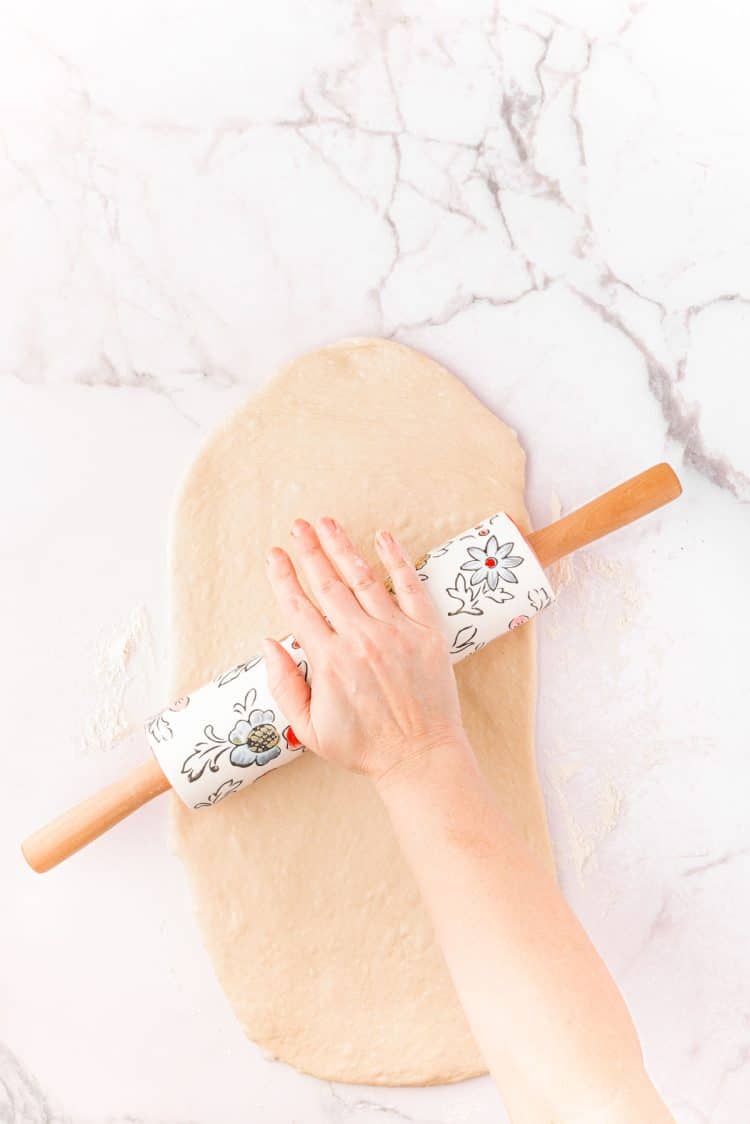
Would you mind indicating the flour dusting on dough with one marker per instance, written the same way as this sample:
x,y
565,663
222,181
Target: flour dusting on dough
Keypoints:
x,y
124,665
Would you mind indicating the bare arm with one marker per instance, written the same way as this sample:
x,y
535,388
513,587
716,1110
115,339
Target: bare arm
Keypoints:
x,y
553,1028
540,1001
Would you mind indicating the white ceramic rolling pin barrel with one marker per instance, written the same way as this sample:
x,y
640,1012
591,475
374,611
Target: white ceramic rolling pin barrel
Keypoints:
x,y
207,745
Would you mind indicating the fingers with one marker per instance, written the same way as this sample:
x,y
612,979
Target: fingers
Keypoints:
x,y
344,602
289,689
303,618
369,590
334,598
412,595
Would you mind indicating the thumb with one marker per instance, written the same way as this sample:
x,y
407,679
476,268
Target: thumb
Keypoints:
x,y
289,689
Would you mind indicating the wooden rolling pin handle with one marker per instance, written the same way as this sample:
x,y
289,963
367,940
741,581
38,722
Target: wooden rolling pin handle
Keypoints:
x,y
627,502
91,818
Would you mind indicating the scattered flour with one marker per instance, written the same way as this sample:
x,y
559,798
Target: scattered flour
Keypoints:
x,y
124,666
593,589
585,839
587,576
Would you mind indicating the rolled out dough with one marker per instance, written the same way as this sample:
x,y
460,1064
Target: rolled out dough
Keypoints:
x,y
312,921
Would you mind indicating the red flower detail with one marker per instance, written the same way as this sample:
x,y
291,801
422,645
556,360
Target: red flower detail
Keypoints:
x,y
291,737
490,563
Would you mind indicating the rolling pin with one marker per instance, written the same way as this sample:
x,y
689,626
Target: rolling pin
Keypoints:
x,y
223,736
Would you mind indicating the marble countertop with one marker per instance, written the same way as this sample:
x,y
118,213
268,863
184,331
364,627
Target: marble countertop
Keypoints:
x,y
551,199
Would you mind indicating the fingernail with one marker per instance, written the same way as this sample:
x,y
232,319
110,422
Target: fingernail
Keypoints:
x,y
385,538
298,526
329,524
292,738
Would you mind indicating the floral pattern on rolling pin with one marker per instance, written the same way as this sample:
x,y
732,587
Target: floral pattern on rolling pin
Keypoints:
x,y
253,740
491,562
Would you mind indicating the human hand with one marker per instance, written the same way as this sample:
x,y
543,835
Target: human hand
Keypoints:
x,y
383,691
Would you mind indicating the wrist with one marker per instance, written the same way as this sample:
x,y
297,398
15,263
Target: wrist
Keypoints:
x,y
429,759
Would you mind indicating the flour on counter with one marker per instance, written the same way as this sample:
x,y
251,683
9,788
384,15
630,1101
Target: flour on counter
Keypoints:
x,y
585,839
122,678
585,574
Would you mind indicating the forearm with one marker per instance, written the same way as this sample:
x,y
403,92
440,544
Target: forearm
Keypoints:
x,y
545,1012
543,1008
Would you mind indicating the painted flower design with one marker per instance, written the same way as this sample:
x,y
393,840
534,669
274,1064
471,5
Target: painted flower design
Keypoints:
x,y
464,638
235,672
254,740
518,621
466,597
539,598
160,729
491,563
224,789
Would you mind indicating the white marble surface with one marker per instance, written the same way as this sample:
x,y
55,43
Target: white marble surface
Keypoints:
x,y
551,199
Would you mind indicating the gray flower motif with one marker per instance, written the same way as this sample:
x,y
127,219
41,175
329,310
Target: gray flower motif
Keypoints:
x,y
464,638
255,740
491,562
235,672
539,598
466,596
223,790
160,729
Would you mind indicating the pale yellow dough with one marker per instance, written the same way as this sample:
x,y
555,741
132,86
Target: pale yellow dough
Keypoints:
x,y
312,921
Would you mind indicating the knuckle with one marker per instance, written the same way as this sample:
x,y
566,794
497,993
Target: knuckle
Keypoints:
x,y
411,587
328,583
363,582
